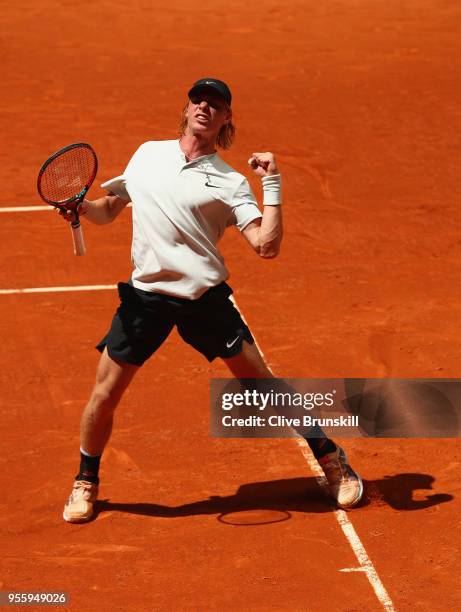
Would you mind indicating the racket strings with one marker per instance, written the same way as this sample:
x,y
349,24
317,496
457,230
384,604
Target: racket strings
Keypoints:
x,y
68,174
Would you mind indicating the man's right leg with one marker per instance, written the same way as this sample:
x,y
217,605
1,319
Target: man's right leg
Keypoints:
x,y
112,379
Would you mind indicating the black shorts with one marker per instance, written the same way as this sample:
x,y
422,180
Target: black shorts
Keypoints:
x,y
144,319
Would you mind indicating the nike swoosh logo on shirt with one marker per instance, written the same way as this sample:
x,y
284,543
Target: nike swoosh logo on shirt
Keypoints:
x,y
230,344
207,184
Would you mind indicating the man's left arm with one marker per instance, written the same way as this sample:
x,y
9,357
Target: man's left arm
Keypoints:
x,y
265,233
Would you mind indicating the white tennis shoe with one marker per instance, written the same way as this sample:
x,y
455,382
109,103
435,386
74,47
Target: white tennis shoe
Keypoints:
x,y
80,505
346,486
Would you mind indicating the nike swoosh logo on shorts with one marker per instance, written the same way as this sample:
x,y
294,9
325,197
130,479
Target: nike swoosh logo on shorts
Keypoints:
x,y
230,344
207,184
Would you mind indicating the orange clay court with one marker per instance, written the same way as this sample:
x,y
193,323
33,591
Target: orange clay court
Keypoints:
x,y
359,100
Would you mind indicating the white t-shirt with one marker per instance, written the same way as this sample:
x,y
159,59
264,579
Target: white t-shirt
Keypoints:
x,y
180,211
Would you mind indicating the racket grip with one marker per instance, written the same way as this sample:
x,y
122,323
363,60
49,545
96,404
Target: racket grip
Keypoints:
x,y
77,237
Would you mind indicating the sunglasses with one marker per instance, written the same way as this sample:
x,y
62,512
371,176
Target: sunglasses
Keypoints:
x,y
213,102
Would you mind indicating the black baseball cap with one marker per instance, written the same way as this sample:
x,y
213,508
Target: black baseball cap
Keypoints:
x,y
215,85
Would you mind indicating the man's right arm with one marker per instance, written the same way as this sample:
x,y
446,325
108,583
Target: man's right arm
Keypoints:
x,y
101,211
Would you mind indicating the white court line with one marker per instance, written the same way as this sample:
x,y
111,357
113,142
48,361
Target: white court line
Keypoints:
x,y
58,289
365,564
9,209
13,209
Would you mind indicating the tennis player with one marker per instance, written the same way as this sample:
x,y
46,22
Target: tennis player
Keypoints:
x,y
184,197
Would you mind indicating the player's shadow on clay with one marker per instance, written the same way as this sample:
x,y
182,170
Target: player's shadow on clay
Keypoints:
x,y
280,496
292,495
407,491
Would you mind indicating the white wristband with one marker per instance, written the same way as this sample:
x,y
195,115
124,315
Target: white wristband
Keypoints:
x,y
272,190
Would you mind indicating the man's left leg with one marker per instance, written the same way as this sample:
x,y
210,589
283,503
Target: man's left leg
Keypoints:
x,y
345,485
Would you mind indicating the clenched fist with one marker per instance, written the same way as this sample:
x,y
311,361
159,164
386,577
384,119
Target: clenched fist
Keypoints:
x,y
263,164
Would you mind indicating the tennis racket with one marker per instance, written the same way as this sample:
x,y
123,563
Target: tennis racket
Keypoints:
x,y
63,181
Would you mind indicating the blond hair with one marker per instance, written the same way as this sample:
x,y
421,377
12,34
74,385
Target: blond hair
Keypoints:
x,y
225,136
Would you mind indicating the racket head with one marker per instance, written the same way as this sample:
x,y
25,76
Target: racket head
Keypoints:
x,y
66,176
